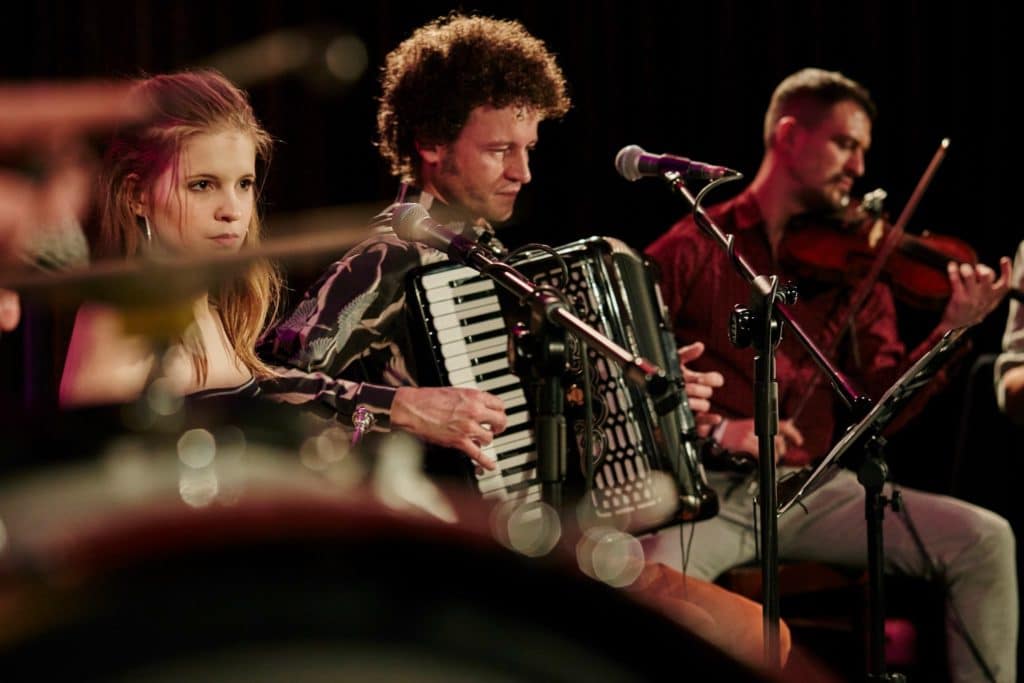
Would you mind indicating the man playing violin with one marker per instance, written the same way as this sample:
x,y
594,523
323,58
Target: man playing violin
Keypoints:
x,y
817,133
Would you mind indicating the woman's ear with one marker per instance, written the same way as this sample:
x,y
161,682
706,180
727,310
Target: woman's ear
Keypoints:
x,y
136,197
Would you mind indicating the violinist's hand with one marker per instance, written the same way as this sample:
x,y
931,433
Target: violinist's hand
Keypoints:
x,y
453,417
1013,385
739,435
975,292
10,310
699,388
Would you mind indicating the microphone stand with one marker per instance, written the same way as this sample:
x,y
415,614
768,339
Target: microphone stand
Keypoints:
x,y
550,318
760,325
540,360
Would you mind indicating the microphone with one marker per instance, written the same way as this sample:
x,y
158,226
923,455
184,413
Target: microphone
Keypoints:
x,y
633,163
413,223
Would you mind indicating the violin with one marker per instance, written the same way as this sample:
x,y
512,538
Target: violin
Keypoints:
x,y
842,248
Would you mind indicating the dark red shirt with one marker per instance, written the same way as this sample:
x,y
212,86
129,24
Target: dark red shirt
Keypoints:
x,y
701,286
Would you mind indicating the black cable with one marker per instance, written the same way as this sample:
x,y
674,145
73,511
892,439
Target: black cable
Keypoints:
x,y
689,545
685,546
547,250
958,621
757,535
588,420
712,185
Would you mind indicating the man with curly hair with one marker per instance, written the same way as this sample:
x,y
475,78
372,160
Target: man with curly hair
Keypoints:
x,y
462,101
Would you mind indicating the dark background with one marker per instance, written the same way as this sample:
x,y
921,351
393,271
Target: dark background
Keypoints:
x,y
687,78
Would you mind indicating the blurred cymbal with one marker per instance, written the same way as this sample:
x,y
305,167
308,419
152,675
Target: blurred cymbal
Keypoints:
x,y
51,111
171,279
48,131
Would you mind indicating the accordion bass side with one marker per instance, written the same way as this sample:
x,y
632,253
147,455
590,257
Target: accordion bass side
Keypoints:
x,y
459,322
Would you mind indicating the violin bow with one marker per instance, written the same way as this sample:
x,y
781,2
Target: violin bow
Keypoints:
x,y
865,286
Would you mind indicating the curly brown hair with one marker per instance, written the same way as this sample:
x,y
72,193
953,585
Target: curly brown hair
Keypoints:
x,y
445,69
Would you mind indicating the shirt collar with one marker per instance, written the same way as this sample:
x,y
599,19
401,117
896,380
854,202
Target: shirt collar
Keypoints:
x,y
746,210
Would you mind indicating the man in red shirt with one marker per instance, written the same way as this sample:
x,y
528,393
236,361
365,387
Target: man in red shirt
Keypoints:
x,y
817,132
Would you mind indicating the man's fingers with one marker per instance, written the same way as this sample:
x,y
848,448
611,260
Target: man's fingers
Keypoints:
x,y
956,282
480,434
496,421
476,454
1005,273
791,433
698,391
690,352
699,405
708,379
491,401
708,418
493,414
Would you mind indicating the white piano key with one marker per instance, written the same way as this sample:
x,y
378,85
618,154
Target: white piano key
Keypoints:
x,y
507,442
518,418
517,460
451,315
492,483
533,495
447,306
449,293
458,354
512,399
465,374
444,278
496,383
462,332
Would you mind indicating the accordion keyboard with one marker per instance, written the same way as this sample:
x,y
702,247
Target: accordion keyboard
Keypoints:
x,y
471,340
472,344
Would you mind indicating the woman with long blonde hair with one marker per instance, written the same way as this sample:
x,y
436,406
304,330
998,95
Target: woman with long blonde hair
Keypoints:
x,y
186,182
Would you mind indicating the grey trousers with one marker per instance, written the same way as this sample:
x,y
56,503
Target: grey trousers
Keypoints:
x,y
972,549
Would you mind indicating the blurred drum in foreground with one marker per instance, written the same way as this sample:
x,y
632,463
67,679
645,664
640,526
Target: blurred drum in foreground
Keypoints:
x,y
218,559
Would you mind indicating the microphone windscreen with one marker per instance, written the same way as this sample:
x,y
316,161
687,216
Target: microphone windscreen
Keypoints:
x,y
627,162
407,222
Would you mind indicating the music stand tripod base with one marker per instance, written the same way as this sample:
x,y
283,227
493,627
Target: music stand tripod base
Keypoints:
x,y
872,474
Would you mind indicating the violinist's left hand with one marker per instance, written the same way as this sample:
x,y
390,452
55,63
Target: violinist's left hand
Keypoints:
x,y
975,292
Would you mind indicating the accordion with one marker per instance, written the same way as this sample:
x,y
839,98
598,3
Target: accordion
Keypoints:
x,y
459,323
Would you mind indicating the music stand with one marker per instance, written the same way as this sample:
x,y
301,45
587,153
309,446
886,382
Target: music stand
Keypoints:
x,y
872,475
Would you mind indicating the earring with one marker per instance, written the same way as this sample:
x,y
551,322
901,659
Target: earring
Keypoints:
x,y
146,231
